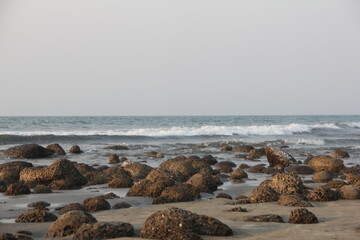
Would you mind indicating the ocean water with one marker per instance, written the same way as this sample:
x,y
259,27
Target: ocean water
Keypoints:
x,y
176,135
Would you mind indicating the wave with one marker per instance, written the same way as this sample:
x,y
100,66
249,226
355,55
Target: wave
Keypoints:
x,y
303,141
206,130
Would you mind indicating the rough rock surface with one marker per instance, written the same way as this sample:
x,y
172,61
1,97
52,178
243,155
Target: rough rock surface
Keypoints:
x,y
293,201
36,215
276,156
350,192
68,223
31,151
39,205
327,163
97,230
10,171
75,149
114,158
340,154
17,189
335,183
256,153
322,194
56,148
263,194
124,182
287,183
204,182
264,218
225,166
96,204
238,174
42,189
302,216
179,193
209,159
174,221
138,170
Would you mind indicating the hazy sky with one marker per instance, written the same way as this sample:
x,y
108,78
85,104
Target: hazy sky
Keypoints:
x,y
179,57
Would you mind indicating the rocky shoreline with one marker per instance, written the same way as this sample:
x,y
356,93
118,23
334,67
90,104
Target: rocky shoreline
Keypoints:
x,y
91,209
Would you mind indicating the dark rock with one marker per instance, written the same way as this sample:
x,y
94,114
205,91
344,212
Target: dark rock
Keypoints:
x,y
154,154
302,216
352,178
204,182
243,148
3,186
109,196
114,158
244,166
75,149
287,183
124,182
226,148
36,215
39,205
71,207
10,171
274,170
322,194
350,192
276,156
31,151
259,168
7,236
300,169
256,154
308,158
263,194
237,209
293,201
335,183
264,218
225,166
117,147
224,195
174,221
326,163
68,224
180,167
61,169
95,231
56,148
340,154
120,205
238,174
96,204
209,159
138,170
17,189
179,193
42,189
242,201
322,177
83,168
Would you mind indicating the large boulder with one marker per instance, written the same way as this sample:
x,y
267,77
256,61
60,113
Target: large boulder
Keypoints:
x,y
56,148
17,189
302,216
68,223
323,194
276,156
263,194
287,183
180,167
31,151
326,163
61,169
95,231
179,193
96,204
167,224
36,215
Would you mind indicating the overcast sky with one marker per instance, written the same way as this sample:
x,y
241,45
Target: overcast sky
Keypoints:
x,y
179,57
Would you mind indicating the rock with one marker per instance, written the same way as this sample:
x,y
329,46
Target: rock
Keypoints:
x,y
226,148
203,182
138,170
335,183
39,205
56,148
323,194
244,166
274,170
300,169
71,207
259,168
96,204
287,183
110,195
263,194
117,147
256,153
94,231
340,154
293,201
243,148
182,168
225,166
83,168
120,205
238,174
224,195
61,169
352,178
42,189
322,177
308,158
179,193
237,209
10,171
17,189
154,154
209,159
148,188
3,186
174,221
75,149
326,163
114,158
264,218
124,182
36,215
68,224
276,156
31,151
302,216
350,192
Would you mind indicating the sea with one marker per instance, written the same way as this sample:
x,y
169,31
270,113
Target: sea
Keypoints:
x,y
177,135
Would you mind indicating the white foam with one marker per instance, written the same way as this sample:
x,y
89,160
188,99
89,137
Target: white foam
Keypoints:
x,y
188,131
303,141
353,124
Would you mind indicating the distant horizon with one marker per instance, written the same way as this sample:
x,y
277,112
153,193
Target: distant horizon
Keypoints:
x,y
251,115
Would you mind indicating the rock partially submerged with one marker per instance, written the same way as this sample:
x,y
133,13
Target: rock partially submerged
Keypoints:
x,y
172,222
30,151
36,215
75,149
56,148
276,156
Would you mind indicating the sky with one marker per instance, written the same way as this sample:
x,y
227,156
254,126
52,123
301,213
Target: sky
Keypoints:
x,y
179,57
